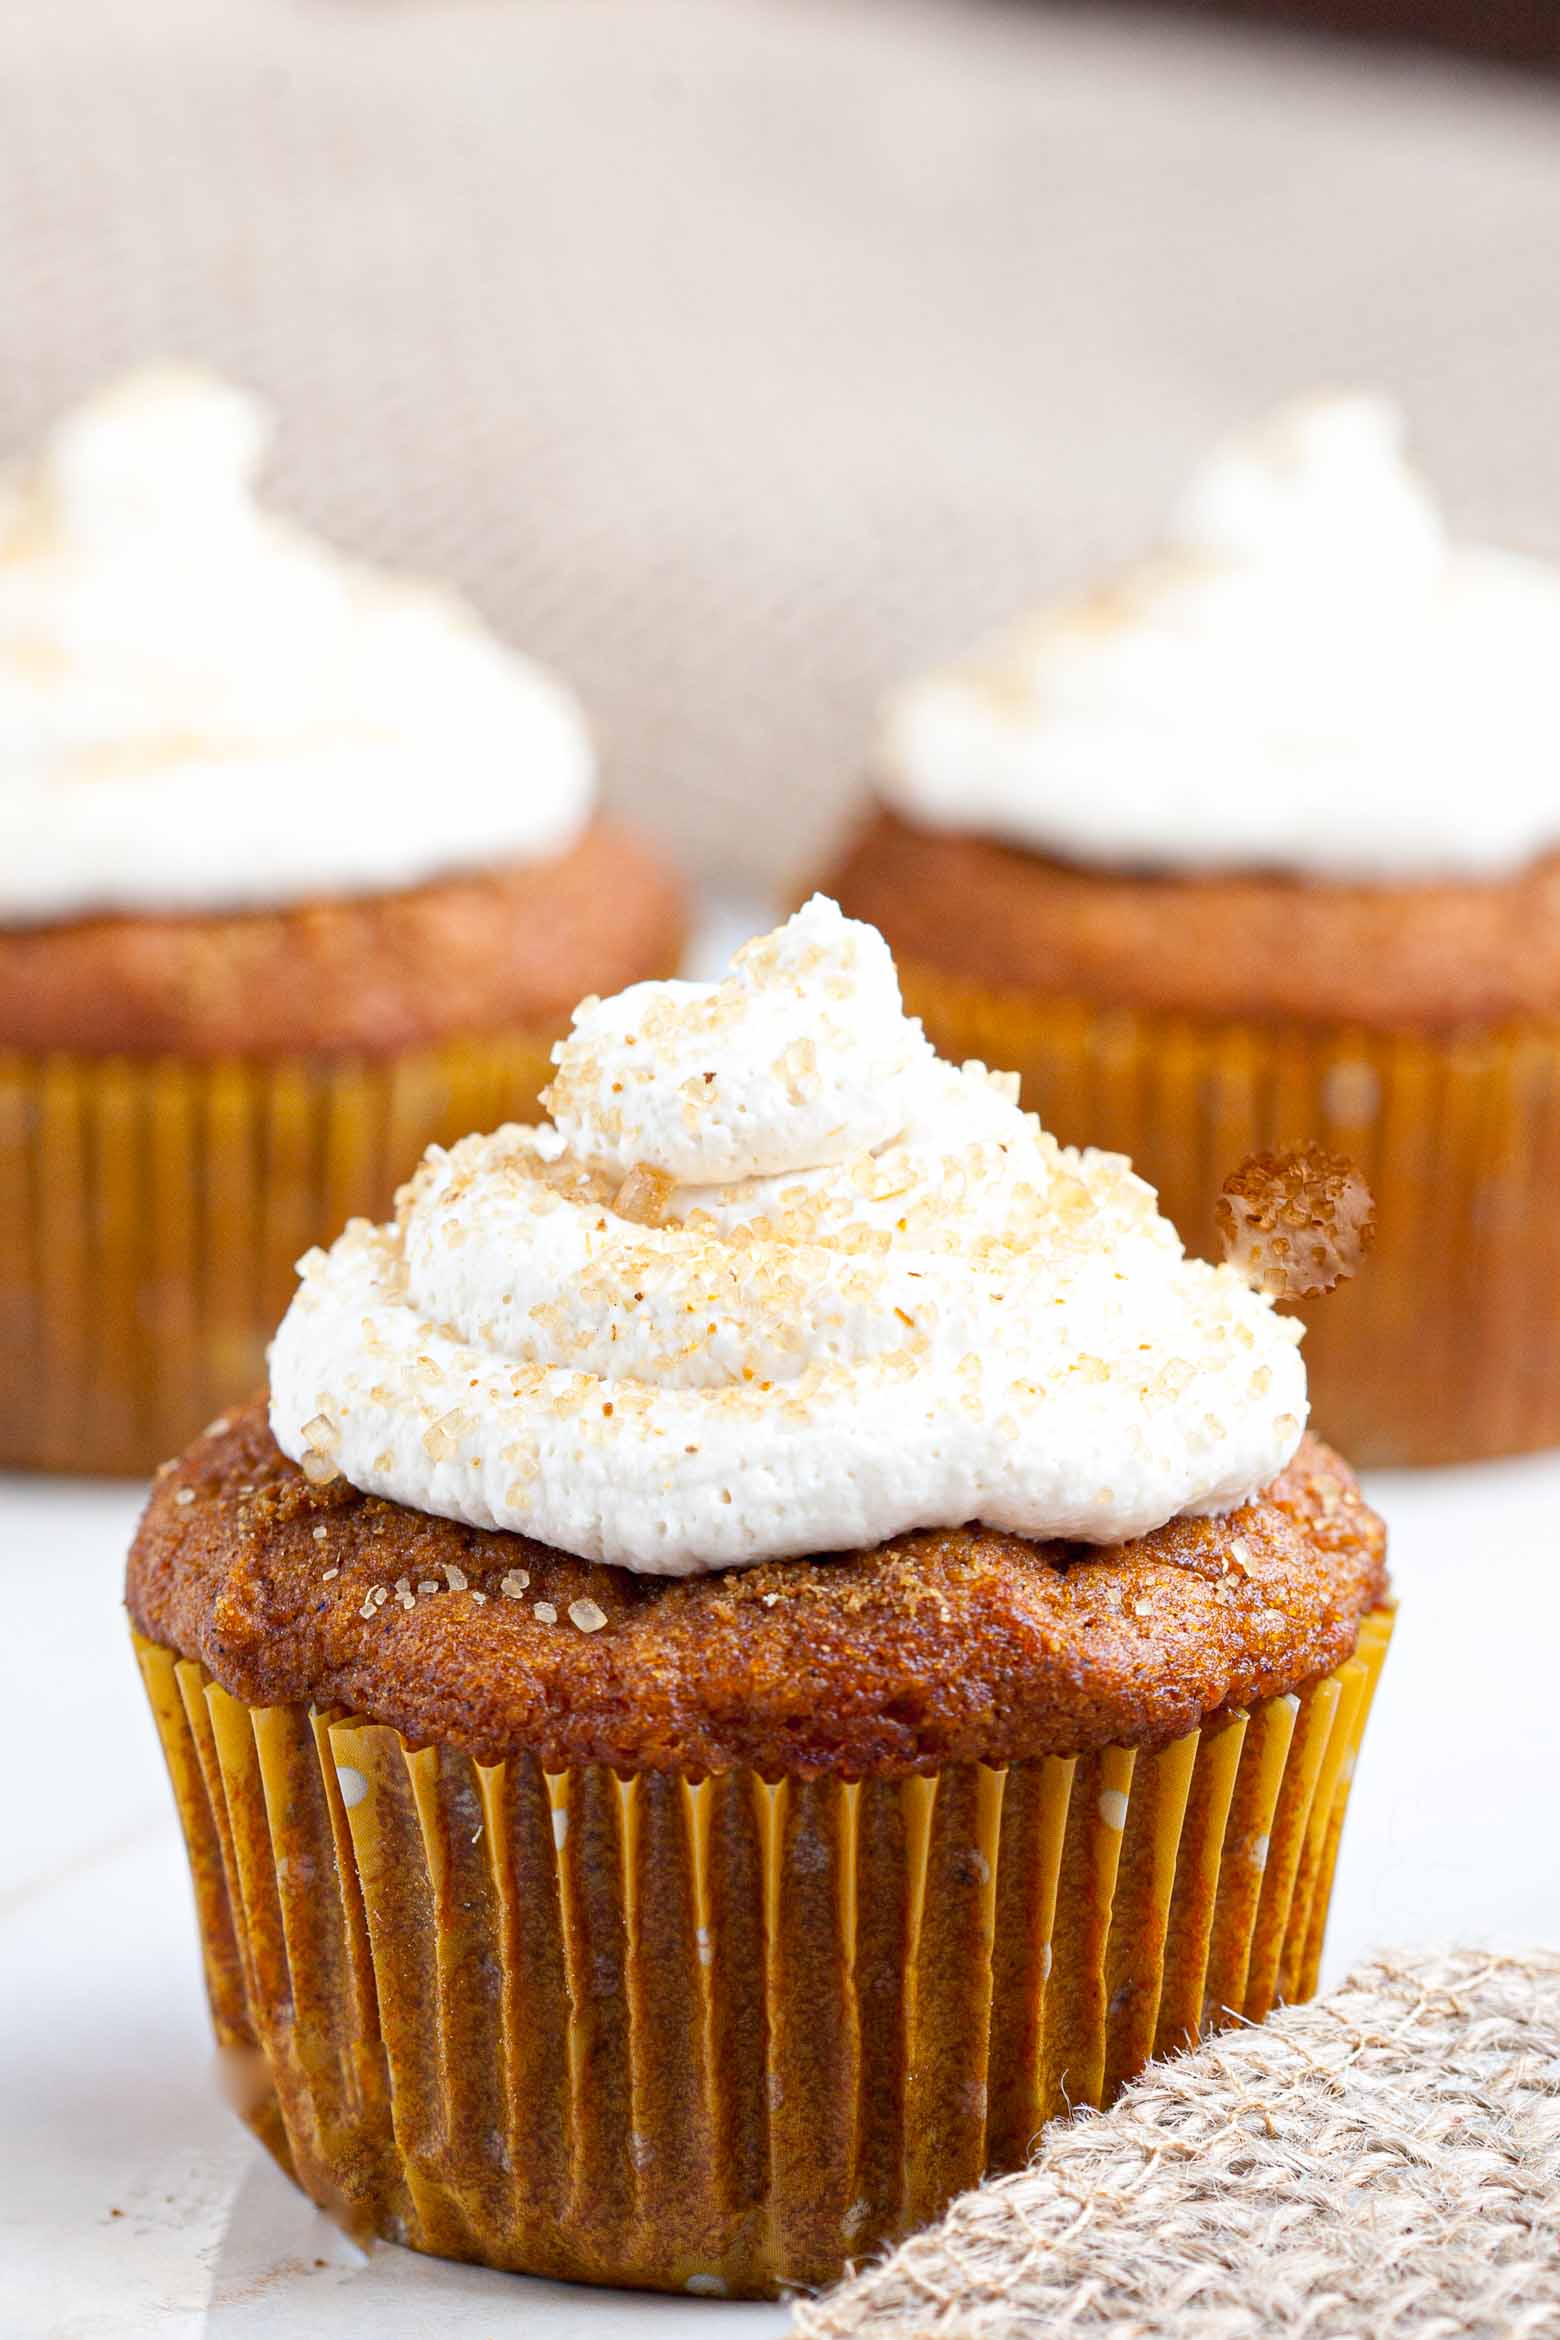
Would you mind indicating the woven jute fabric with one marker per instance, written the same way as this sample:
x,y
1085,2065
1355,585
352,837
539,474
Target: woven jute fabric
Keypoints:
x,y
742,355
1383,2164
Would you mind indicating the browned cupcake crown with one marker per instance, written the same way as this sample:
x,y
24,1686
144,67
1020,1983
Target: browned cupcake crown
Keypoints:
x,y
945,1646
509,949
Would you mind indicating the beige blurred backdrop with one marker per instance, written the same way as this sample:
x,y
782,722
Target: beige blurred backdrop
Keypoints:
x,y
738,355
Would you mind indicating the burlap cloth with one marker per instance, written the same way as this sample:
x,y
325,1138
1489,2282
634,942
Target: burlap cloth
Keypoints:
x,y
741,354
1383,2164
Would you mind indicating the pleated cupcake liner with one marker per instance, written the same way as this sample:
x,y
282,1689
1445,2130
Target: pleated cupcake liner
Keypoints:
x,y
723,2035
1446,1346
151,1211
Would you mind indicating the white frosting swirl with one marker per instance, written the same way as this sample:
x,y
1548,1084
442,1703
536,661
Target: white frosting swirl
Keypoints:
x,y
862,1292
1308,678
202,707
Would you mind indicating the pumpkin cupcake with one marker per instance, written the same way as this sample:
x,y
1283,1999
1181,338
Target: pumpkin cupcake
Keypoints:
x,y
1258,845
773,1634
299,871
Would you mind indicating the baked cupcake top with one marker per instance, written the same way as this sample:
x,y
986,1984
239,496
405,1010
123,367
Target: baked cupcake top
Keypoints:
x,y
777,1280
950,1645
204,708
1308,677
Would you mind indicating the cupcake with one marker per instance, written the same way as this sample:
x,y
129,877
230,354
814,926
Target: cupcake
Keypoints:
x,y
773,1634
1257,846
299,871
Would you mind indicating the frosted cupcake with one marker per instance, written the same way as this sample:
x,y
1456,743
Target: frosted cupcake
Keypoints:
x,y
1255,846
774,1634
299,870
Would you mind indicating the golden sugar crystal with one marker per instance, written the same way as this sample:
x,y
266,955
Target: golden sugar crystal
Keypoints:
x,y
442,1438
644,1195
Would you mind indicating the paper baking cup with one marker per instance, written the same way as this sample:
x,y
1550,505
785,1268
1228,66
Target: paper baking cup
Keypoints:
x,y
151,1211
1447,1345
723,2035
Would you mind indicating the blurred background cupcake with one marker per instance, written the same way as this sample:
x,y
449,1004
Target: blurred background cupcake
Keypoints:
x,y
299,870
1256,845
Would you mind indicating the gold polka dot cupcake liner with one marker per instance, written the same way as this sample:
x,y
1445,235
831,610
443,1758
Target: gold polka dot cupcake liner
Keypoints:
x,y
723,2035
1446,1347
151,1211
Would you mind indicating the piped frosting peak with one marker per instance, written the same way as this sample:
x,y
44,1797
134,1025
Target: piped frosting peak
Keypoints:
x,y
776,1279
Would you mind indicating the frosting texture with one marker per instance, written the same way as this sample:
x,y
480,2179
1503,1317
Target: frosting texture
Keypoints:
x,y
774,1280
204,708
1308,677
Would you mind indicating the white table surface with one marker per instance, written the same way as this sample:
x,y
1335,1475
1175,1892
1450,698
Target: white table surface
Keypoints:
x,y
131,2202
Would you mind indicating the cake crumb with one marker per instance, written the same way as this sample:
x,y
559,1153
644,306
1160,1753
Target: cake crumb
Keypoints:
x,y
1297,1223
